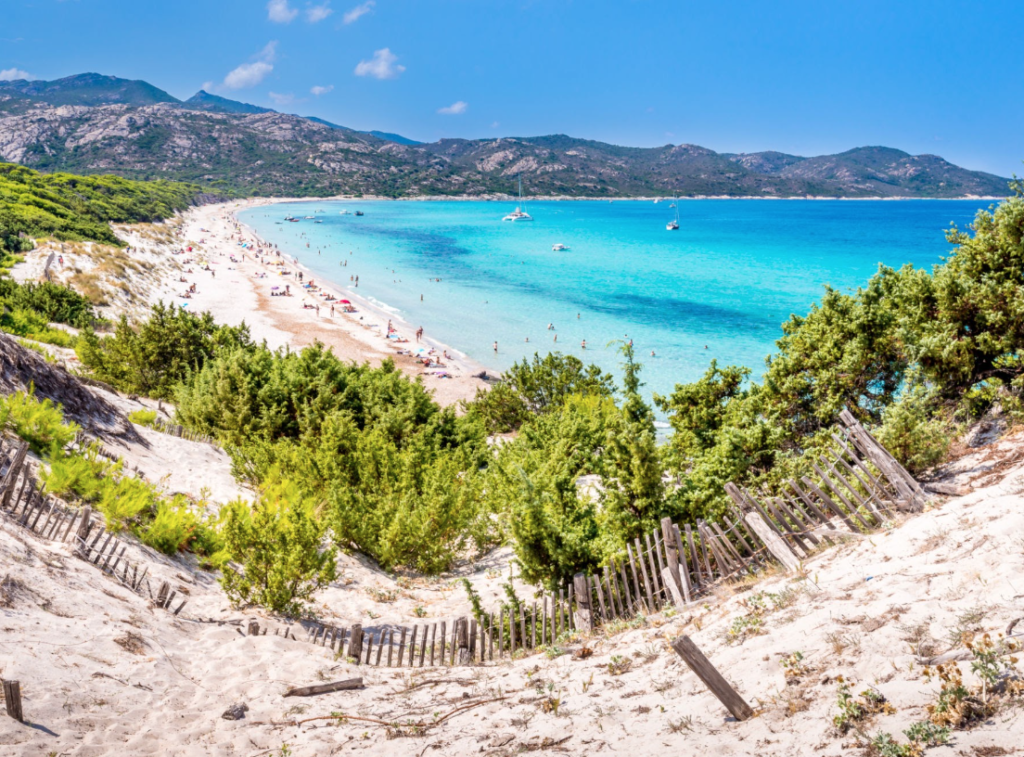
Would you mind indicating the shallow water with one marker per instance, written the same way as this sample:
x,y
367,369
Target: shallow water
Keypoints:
x,y
730,276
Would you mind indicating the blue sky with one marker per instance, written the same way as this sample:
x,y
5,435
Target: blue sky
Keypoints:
x,y
803,77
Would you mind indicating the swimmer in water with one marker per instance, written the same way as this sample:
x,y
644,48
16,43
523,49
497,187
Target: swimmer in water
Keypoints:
x,y
584,344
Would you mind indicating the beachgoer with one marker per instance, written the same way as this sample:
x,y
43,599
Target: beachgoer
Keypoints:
x,y
652,353
584,345
556,337
495,346
527,339
550,327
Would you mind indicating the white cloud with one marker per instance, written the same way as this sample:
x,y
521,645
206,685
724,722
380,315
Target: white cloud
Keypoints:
x,y
318,90
247,75
381,66
317,13
280,99
360,10
12,74
495,125
455,109
269,52
250,74
279,12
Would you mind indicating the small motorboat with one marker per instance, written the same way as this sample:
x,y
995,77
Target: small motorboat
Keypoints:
x,y
359,212
558,247
345,213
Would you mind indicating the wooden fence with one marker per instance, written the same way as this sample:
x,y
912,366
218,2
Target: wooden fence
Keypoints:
x,y
857,487
50,518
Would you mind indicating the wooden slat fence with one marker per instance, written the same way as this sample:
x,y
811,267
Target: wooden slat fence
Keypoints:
x,y
49,518
857,486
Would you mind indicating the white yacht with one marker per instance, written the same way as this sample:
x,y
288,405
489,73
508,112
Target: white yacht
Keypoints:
x,y
673,225
558,247
518,214
345,213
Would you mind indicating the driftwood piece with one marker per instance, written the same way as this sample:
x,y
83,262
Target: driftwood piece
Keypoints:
x,y
325,688
707,673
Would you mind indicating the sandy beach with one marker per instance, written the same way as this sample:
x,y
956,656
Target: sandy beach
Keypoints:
x,y
244,272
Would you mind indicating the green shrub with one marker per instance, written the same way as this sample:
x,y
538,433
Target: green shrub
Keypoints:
x,y
78,476
39,422
176,527
124,499
143,417
278,545
913,434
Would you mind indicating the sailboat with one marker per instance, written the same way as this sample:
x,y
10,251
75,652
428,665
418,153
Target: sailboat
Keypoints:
x,y
518,214
674,224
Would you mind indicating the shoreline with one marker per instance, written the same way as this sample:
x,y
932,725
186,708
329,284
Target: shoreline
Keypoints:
x,y
569,198
216,236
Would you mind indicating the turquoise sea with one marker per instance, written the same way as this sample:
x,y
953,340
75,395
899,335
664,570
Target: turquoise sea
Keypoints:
x,y
719,287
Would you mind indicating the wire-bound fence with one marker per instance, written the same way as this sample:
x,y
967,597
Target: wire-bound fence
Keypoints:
x,y
857,487
22,503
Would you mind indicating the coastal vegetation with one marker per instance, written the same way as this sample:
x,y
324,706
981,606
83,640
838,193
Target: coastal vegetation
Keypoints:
x,y
556,460
69,207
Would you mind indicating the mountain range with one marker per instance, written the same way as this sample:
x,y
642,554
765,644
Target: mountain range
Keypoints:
x,y
91,123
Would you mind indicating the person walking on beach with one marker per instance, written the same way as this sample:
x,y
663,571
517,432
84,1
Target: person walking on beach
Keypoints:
x,y
419,333
332,310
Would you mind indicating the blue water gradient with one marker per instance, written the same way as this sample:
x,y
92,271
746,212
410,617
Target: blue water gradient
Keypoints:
x,y
726,280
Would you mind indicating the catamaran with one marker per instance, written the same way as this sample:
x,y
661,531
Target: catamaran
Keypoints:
x,y
518,214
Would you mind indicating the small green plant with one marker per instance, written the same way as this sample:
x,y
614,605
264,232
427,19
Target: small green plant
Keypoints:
x,y
921,736
474,601
619,665
793,664
419,612
853,710
39,422
553,651
384,596
143,417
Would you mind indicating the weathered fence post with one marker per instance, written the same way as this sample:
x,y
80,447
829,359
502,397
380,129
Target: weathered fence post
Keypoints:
x,y
12,699
773,541
462,639
83,531
584,616
672,553
700,665
355,644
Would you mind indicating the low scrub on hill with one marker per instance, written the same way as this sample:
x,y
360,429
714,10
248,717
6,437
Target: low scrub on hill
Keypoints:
x,y
79,207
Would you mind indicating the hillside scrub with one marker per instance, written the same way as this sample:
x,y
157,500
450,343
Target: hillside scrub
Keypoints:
x,y
155,356
72,207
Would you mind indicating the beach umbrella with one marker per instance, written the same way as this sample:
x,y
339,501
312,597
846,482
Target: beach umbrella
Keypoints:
x,y
344,302
275,287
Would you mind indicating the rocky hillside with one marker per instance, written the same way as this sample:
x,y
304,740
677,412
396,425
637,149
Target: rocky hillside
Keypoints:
x,y
91,123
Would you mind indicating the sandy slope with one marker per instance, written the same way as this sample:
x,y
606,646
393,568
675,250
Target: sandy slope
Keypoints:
x,y
862,610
